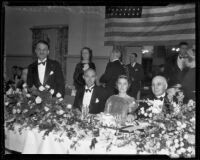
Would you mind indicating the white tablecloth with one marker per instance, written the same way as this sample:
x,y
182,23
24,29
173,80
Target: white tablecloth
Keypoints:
x,y
32,142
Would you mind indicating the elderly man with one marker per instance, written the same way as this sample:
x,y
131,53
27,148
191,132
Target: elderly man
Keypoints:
x,y
188,83
113,69
159,87
91,96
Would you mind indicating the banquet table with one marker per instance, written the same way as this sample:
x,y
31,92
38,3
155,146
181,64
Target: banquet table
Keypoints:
x,y
31,142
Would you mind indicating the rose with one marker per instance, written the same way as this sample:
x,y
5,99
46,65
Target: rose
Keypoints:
x,y
60,99
69,106
52,91
6,103
28,95
58,95
9,92
24,85
14,111
41,88
47,86
60,112
18,110
46,109
38,100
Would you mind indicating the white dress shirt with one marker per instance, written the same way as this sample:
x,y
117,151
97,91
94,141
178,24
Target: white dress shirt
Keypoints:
x,y
163,95
133,64
87,96
41,71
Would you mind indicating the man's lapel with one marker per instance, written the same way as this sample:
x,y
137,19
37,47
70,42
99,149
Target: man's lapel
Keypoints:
x,y
80,98
36,75
47,71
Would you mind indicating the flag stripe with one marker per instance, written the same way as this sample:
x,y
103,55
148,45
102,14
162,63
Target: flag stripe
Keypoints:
x,y
150,24
131,34
151,19
141,43
150,28
152,38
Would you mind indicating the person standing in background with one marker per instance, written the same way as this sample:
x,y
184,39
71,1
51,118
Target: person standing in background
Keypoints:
x,y
136,75
114,68
83,65
189,83
175,69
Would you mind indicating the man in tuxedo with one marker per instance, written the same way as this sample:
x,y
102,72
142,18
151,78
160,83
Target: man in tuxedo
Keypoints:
x,y
175,69
136,75
159,88
91,95
45,71
114,68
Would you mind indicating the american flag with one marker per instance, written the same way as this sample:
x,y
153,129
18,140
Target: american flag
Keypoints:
x,y
150,25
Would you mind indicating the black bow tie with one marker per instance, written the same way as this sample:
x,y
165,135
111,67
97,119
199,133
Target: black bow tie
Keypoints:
x,y
161,98
42,63
89,90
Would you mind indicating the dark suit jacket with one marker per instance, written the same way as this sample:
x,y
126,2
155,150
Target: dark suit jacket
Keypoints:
x,y
113,70
95,107
78,74
55,80
172,72
136,75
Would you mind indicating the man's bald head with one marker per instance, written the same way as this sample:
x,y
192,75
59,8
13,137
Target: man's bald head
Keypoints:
x,y
159,85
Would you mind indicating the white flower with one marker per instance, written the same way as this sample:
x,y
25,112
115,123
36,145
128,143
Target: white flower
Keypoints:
x,y
157,106
191,139
14,111
6,103
178,123
17,90
60,99
10,91
18,104
181,144
168,143
46,109
145,114
18,110
26,110
38,100
189,149
69,106
176,141
163,151
65,115
28,95
58,95
191,102
183,125
24,85
97,100
41,88
51,73
60,112
47,86
150,114
52,91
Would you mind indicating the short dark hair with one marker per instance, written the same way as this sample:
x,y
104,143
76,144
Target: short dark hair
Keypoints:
x,y
14,67
43,42
135,54
90,53
183,43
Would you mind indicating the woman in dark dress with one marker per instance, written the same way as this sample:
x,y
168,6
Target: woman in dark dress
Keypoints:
x,y
84,64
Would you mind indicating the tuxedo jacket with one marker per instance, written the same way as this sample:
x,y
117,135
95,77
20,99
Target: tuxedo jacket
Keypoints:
x,y
136,76
53,76
97,102
113,70
78,74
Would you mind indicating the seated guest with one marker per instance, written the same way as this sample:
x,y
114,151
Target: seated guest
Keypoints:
x,y
121,104
113,69
188,83
83,65
45,71
136,75
90,95
23,78
159,88
175,69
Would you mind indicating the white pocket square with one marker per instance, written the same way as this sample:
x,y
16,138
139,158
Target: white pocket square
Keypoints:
x,y
51,73
97,100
